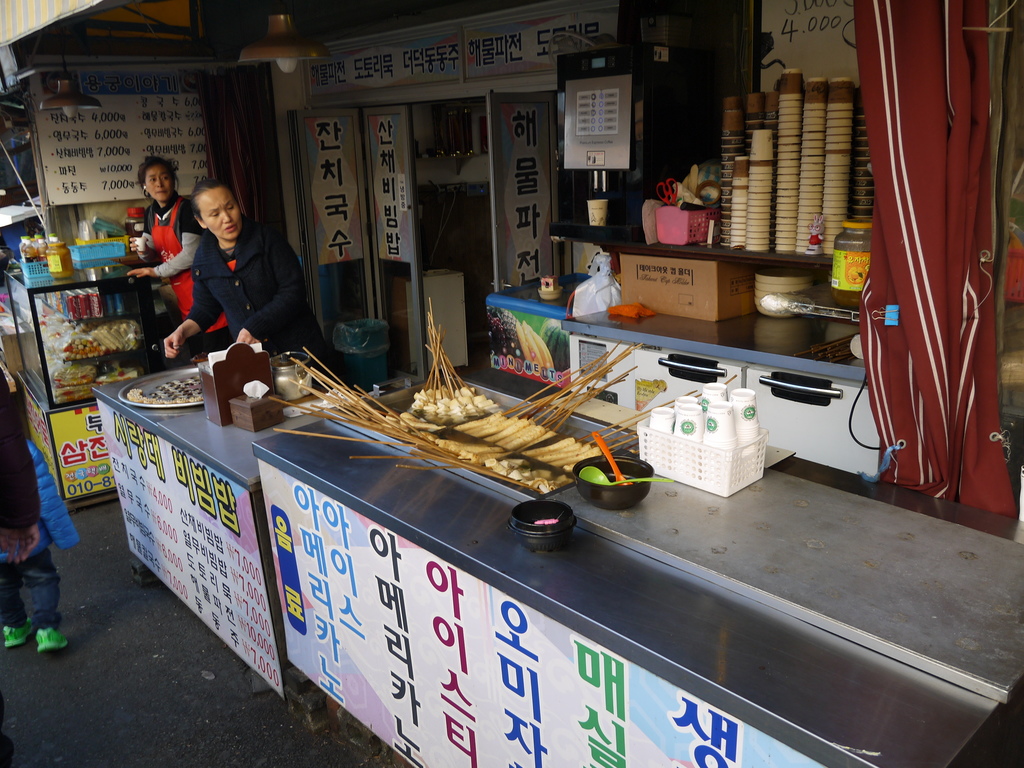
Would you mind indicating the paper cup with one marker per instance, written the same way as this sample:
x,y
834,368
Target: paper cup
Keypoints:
x,y
690,422
663,419
713,392
720,425
598,212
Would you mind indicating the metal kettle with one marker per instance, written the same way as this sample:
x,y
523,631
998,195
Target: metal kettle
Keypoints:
x,y
289,378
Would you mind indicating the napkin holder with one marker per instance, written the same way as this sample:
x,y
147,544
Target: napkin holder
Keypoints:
x,y
256,413
225,379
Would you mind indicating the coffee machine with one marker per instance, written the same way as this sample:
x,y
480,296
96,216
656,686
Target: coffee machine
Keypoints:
x,y
629,117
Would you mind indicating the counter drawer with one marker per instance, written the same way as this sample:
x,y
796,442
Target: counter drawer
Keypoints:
x,y
662,375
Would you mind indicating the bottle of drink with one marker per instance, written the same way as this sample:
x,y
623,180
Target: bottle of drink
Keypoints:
x,y
58,258
851,258
26,249
40,243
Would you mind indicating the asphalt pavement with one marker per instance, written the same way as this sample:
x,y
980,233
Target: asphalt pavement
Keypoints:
x,y
144,683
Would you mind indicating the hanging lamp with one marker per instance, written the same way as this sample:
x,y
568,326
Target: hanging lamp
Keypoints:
x,y
68,97
283,43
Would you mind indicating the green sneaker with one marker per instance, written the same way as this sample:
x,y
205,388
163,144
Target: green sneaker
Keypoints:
x,y
15,636
49,639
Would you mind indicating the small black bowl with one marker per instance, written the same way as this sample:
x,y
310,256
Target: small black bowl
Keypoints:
x,y
614,496
546,537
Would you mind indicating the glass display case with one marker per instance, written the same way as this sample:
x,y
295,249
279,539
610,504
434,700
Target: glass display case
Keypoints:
x,y
92,328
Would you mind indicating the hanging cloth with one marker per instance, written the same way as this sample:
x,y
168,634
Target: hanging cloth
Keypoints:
x,y
932,377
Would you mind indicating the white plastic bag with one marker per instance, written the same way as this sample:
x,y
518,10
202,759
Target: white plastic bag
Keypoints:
x,y
599,292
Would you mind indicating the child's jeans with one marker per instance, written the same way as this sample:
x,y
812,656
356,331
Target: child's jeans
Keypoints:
x,y
39,574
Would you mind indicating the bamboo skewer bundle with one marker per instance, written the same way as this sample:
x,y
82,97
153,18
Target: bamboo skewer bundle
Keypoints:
x,y
545,413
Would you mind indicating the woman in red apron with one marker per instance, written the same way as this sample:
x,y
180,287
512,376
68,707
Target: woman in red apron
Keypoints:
x,y
171,236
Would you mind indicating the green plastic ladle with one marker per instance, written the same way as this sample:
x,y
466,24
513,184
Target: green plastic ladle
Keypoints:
x,y
597,477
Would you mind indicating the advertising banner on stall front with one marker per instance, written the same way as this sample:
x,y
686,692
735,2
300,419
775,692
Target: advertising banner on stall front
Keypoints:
x,y
451,671
72,442
194,529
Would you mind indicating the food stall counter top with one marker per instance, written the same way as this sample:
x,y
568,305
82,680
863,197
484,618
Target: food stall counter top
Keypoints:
x,y
832,699
229,448
752,338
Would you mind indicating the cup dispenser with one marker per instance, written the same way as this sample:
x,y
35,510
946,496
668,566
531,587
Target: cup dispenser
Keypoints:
x,y
628,117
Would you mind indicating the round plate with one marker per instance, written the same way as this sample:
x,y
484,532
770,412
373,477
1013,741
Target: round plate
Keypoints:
x,y
149,384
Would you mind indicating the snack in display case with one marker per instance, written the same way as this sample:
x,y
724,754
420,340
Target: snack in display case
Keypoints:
x,y
96,338
118,370
73,382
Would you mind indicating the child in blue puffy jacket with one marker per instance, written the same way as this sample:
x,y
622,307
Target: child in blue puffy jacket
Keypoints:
x,y
37,572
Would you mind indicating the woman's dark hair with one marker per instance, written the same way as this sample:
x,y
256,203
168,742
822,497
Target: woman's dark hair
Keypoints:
x,y
152,160
201,187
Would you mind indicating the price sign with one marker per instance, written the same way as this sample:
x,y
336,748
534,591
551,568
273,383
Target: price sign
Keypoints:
x,y
816,36
94,156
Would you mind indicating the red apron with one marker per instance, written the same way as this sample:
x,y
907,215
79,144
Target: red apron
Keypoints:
x,y
166,243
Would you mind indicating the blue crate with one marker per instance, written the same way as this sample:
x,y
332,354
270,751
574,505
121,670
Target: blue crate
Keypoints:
x,y
36,273
96,254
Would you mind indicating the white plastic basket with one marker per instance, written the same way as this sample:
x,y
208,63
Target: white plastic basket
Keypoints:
x,y
722,471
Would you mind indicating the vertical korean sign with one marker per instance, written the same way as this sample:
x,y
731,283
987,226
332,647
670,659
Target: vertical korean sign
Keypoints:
x,y
521,167
451,671
334,187
389,172
194,529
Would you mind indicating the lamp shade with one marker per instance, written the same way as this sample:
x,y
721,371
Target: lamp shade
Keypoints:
x,y
68,97
283,43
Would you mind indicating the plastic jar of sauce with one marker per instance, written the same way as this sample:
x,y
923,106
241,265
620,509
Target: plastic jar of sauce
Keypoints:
x,y
135,223
851,259
58,258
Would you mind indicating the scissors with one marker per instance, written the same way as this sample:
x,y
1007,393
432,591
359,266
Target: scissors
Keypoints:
x,y
667,191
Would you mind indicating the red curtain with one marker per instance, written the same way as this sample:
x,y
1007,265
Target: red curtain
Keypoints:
x,y
236,105
932,377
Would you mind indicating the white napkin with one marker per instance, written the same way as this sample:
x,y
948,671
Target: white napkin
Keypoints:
x,y
256,389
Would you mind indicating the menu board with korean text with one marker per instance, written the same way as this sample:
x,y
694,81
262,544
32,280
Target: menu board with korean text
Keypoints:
x,y
94,156
332,143
194,529
449,670
522,169
391,175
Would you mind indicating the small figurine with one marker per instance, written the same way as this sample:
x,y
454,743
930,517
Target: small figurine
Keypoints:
x,y
549,289
817,229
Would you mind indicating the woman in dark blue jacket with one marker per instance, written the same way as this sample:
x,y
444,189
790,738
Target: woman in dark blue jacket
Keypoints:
x,y
251,274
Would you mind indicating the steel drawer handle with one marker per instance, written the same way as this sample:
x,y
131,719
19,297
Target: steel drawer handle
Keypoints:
x,y
691,368
768,381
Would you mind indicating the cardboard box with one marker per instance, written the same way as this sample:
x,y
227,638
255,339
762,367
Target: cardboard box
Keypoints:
x,y
702,290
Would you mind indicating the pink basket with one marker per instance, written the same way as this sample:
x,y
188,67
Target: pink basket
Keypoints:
x,y
684,227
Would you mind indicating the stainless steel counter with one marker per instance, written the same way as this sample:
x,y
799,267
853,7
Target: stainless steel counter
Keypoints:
x,y
751,338
675,599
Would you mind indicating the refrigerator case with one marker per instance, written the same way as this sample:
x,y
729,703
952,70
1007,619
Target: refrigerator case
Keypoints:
x,y
812,416
75,333
526,332
662,375
585,349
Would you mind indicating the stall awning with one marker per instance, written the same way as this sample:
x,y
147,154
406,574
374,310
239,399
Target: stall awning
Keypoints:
x,y
19,18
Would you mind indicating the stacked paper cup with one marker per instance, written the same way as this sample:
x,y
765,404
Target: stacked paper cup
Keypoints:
x,y
720,425
787,168
744,406
733,145
759,191
812,158
713,392
740,181
690,422
838,142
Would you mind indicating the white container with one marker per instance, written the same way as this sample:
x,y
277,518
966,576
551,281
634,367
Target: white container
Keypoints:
x,y
721,471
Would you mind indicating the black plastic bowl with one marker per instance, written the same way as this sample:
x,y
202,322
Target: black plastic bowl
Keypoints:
x,y
547,537
614,496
